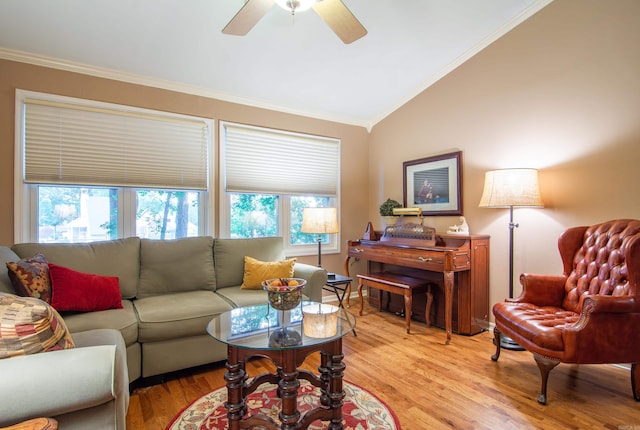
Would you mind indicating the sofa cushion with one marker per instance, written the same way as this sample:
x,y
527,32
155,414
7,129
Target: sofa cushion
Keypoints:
x,y
542,325
173,266
177,315
120,257
229,257
77,291
29,325
6,255
240,297
30,277
256,271
124,320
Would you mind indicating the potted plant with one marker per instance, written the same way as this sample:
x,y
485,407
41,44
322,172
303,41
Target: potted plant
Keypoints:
x,y
386,210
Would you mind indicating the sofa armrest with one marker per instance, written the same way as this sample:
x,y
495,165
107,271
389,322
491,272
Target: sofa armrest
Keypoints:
x,y
316,278
53,383
541,290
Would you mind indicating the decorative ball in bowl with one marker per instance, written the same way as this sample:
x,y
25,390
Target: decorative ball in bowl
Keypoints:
x,y
284,293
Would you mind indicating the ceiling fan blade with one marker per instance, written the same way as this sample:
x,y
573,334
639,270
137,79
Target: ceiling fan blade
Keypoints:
x,y
247,17
343,23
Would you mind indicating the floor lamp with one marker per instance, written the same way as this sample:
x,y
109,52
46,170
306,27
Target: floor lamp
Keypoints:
x,y
509,188
320,221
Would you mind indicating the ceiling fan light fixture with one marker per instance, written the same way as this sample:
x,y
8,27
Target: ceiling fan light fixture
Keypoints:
x,y
294,6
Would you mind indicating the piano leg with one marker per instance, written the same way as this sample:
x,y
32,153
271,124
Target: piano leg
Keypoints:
x,y
448,296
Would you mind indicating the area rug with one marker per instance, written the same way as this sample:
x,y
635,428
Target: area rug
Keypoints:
x,y
361,410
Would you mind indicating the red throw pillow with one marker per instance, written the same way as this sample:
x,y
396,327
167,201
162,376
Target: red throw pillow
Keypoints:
x,y
76,291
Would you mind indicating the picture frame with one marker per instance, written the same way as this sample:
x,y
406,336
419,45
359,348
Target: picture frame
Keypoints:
x,y
434,184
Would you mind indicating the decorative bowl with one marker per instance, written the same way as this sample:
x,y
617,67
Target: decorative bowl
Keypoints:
x,y
283,296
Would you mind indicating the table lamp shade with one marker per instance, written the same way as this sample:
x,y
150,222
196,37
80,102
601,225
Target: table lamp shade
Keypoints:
x,y
320,220
511,187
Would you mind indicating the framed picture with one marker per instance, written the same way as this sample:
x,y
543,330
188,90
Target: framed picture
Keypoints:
x,y
434,184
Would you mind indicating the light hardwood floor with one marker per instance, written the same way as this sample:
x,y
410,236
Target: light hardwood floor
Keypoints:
x,y
430,385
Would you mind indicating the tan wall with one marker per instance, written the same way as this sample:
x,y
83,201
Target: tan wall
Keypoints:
x,y
14,75
561,93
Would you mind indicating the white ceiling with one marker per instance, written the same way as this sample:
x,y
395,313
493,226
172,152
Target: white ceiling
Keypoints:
x,y
288,64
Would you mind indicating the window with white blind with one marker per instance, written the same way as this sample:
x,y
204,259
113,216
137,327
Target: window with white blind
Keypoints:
x,y
91,171
269,176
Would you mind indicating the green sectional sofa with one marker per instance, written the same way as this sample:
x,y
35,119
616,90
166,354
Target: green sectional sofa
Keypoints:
x,y
170,290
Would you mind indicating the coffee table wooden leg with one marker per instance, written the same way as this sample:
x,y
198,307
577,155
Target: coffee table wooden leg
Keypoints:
x,y
325,376
289,383
336,392
235,378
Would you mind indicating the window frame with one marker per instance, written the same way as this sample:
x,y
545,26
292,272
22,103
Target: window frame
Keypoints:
x,y
26,195
284,205
284,224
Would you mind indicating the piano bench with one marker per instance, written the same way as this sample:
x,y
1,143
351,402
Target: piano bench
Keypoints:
x,y
394,283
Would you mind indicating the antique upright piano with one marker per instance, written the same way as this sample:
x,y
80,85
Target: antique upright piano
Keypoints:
x,y
458,264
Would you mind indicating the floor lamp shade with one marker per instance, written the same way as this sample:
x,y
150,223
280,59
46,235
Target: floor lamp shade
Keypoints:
x,y
511,187
320,221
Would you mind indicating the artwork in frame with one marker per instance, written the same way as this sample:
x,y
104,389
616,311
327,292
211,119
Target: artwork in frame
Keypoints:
x,y
434,184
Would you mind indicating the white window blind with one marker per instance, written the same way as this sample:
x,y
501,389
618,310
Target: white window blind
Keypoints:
x,y
266,161
77,144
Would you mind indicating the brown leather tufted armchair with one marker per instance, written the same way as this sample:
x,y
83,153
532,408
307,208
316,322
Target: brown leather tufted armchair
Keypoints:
x,y
588,315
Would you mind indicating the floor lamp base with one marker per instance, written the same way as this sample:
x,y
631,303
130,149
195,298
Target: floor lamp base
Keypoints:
x,y
508,343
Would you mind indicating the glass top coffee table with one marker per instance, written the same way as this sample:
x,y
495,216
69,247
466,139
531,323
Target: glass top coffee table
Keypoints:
x,y
280,336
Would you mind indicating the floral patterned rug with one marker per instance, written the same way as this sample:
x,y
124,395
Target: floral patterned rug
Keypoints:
x,y
361,410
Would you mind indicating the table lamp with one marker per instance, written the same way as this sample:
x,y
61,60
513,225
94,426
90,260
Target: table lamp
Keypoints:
x,y
320,221
509,188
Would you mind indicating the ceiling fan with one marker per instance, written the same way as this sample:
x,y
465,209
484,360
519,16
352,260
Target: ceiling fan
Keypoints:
x,y
343,23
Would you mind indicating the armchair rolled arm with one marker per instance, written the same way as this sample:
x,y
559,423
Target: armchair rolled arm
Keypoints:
x,y
53,383
541,290
609,304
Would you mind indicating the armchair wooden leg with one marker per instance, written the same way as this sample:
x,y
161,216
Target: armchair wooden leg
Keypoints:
x,y
635,381
496,342
545,365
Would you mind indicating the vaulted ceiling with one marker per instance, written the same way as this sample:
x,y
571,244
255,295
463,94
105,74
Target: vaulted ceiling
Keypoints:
x,y
287,63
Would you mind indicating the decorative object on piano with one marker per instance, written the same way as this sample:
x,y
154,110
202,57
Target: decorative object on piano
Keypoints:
x,y
320,221
434,184
284,293
410,234
320,320
415,211
509,188
370,233
463,228
386,210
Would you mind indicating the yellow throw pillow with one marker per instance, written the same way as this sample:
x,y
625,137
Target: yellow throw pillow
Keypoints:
x,y
256,271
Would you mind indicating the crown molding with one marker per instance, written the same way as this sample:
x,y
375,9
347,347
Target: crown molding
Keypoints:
x,y
132,78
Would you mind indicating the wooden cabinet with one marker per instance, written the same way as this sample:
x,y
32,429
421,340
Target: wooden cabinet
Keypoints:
x,y
465,258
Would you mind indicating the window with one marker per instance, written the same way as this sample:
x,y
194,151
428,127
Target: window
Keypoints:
x,y
269,177
95,171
